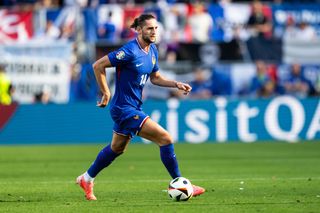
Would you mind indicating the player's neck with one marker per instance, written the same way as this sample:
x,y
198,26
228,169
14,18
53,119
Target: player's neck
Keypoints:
x,y
144,45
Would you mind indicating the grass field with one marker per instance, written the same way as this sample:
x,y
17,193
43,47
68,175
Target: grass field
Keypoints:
x,y
258,177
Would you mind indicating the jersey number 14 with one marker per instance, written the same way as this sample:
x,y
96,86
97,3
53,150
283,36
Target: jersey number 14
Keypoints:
x,y
143,79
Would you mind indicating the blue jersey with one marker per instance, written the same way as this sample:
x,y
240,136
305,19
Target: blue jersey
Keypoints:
x,y
133,68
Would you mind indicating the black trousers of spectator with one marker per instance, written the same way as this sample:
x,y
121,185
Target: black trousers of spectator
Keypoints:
x,y
261,48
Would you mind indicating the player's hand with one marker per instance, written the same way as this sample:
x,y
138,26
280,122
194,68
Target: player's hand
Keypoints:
x,y
183,86
104,101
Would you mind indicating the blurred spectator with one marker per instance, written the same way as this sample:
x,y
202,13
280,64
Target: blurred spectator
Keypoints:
x,y
65,24
262,45
172,48
51,32
200,23
291,30
306,32
127,32
200,85
297,84
301,31
68,31
108,29
258,24
42,97
49,3
171,57
17,2
83,83
174,21
221,83
80,3
8,2
111,17
6,88
262,85
68,22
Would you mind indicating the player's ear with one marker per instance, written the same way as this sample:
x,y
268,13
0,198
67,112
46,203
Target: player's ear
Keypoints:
x,y
138,29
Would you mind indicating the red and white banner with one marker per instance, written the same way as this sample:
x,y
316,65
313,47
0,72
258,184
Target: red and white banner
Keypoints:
x,y
15,26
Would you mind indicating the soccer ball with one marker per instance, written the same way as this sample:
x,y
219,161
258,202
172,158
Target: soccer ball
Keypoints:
x,y
180,189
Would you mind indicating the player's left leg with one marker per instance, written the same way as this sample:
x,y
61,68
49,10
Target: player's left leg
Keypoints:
x,y
155,133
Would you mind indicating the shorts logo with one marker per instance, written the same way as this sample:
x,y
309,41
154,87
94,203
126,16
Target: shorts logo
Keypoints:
x,y
120,55
136,117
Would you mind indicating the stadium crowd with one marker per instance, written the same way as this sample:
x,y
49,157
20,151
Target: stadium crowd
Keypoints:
x,y
200,41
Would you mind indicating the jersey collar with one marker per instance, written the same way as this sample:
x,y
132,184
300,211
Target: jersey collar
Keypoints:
x,y
141,47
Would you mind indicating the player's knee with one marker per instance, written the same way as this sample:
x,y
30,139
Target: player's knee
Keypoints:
x,y
166,139
118,149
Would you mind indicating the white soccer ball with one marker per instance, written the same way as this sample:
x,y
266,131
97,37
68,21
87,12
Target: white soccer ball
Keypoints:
x,y
180,189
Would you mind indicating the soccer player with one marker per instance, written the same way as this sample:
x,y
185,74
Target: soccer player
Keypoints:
x,y
135,62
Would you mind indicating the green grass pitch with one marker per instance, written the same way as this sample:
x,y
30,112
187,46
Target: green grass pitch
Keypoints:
x,y
259,177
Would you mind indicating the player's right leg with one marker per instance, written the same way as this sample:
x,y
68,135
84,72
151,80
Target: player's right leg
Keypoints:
x,y
104,159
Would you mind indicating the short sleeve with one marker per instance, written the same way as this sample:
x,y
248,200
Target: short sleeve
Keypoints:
x,y
120,56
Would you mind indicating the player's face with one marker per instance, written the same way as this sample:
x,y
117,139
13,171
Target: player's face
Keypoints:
x,y
149,31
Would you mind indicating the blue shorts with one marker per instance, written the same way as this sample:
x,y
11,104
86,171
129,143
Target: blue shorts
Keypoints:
x,y
129,125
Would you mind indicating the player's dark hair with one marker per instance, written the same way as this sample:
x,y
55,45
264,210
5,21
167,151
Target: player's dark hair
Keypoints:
x,y
139,21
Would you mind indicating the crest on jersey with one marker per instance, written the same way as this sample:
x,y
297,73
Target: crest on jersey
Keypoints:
x,y
120,55
153,60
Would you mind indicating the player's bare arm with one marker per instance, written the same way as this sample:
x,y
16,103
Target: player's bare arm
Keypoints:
x,y
100,73
157,79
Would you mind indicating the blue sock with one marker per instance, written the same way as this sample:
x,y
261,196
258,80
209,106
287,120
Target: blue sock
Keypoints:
x,y
104,159
168,158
